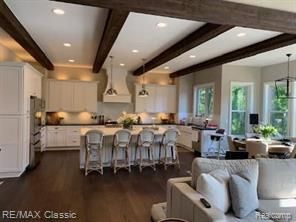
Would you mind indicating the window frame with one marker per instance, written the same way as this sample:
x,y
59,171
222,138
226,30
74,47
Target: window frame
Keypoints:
x,y
291,131
250,104
195,97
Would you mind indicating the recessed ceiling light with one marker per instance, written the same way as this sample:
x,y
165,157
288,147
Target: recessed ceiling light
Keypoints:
x,y
67,44
122,64
161,25
242,34
71,60
135,50
58,11
166,67
192,56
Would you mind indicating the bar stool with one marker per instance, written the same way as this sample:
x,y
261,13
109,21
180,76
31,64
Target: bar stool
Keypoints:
x,y
217,137
145,143
121,141
169,141
93,152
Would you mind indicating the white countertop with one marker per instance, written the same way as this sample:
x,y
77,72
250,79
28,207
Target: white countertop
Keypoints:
x,y
111,131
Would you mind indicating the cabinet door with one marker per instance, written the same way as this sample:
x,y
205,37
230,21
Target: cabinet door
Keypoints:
x,y
10,143
90,101
10,90
67,96
171,99
61,138
161,99
53,96
150,100
51,140
78,97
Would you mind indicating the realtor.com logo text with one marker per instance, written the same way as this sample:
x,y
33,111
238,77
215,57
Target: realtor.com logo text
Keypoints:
x,y
35,215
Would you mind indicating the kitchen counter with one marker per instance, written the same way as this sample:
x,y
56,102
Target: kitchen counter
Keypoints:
x,y
96,124
108,140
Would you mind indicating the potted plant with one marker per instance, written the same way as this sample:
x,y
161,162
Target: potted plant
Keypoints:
x,y
266,131
127,120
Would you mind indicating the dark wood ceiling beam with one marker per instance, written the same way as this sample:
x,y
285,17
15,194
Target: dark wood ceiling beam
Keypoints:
x,y
10,24
213,11
260,47
114,23
201,35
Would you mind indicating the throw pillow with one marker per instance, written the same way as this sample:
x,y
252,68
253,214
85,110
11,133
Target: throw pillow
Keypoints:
x,y
243,192
214,187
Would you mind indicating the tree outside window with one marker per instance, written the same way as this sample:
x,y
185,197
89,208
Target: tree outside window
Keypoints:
x,y
204,101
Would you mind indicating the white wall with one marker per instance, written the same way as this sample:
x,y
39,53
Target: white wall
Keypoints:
x,y
238,74
7,55
212,75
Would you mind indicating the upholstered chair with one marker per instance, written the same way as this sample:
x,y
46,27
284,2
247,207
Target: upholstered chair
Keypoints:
x,y
256,148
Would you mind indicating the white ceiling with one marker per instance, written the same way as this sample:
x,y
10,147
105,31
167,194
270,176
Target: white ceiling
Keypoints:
x,y
141,32
82,26
222,44
284,5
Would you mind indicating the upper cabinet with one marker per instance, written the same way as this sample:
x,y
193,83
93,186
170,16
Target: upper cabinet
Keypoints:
x,y
71,96
18,81
162,98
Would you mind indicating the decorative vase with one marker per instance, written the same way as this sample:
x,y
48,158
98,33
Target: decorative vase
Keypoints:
x,y
267,140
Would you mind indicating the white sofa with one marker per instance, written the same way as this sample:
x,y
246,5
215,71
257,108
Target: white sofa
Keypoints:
x,y
276,188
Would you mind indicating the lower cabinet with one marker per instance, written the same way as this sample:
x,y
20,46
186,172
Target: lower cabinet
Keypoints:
x,y
185,138
56,136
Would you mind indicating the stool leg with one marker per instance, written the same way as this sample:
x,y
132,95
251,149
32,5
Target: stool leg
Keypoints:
x,y
165,157
177,157
86,163
101,161
115,160
160,147
152,156
128,159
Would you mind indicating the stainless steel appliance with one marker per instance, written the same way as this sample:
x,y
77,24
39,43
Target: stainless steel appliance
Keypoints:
x,y
36,109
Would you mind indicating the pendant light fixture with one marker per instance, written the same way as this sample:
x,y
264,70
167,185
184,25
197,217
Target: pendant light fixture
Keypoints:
x,y
143,92
111,91
286,84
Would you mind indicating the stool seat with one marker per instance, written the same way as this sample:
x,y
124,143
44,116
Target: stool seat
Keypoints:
x,y
145,146
121,141
93,154
169,146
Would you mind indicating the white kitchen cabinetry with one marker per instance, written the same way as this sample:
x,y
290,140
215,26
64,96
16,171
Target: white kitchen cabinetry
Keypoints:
x,y
56,136
162,98
18,81
71,96
185,138
43,138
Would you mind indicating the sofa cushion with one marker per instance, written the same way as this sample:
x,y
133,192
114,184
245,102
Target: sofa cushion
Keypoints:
x,y
243,192
203,165
285,206
277,178
214,187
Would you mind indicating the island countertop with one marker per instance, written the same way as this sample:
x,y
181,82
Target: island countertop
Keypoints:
x,y
111,131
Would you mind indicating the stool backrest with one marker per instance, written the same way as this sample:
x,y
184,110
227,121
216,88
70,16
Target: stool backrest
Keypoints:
x,y
94,137
146,136
220,131
170,136
122,136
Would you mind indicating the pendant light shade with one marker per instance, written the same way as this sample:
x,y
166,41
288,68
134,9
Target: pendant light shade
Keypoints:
x,y
284,86
143,92
111,91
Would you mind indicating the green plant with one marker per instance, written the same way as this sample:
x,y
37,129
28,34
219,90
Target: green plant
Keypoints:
x,y
127,120
266,130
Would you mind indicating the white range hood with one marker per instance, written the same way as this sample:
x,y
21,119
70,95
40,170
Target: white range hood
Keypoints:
x,y
119,84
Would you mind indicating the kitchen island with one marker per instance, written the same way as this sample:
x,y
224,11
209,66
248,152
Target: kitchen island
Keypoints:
x,y
108,139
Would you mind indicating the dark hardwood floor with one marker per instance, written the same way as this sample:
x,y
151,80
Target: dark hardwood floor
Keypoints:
x,y
58,185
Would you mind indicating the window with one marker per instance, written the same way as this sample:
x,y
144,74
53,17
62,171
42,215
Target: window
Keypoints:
x,y
241,95
204,100
276,109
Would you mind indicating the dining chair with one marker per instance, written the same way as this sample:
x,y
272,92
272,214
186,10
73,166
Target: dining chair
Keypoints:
x,y
145,145
169,142
121,141
256,147
94,152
